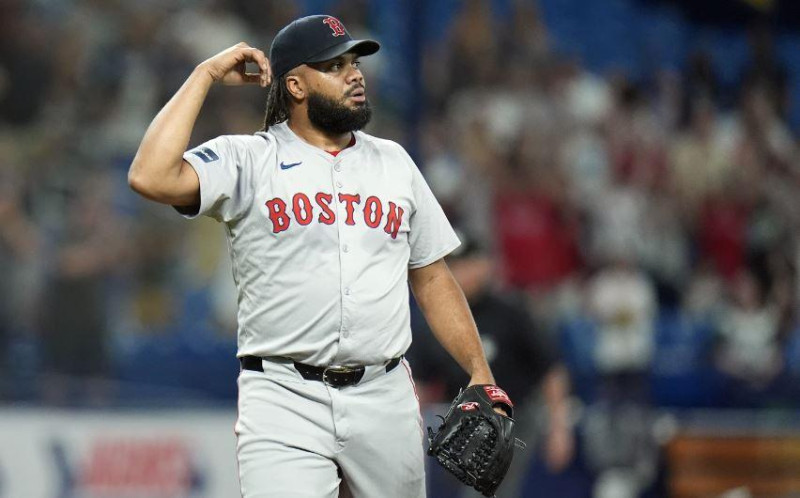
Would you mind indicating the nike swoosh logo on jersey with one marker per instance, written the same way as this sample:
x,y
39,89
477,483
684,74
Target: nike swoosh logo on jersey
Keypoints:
x,y
290,165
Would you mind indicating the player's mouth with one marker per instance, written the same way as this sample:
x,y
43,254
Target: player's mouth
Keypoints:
x,y
357,95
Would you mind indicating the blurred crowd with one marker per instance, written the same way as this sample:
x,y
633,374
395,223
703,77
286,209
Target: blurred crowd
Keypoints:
x,y
653,224
89,270
650,225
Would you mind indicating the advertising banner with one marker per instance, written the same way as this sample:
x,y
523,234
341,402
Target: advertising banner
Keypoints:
x,y
95,454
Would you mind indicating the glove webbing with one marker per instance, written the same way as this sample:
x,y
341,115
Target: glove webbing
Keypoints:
x,y
475,437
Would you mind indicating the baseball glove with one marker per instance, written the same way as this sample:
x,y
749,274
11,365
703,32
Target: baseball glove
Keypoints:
x,y
474,442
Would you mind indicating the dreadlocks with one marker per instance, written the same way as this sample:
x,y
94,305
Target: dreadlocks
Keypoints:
x,y
278,100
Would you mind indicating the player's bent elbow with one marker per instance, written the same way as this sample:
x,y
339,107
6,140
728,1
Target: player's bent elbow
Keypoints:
x,y
139,184
135,181
166,188
146,187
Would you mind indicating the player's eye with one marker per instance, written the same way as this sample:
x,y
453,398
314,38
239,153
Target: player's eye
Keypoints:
x,y
336,66
356,64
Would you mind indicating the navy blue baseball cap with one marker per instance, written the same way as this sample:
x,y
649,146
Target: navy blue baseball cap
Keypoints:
x,y
314,39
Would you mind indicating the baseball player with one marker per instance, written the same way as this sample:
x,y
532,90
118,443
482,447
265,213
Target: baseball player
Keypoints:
x,y
326,225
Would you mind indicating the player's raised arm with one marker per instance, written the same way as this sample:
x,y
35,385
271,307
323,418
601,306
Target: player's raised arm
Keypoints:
x,y
158,170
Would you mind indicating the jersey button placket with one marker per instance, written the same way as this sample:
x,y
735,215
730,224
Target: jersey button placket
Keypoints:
x,y
344,330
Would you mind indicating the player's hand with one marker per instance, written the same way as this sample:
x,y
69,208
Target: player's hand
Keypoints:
x,y
487,378
229,66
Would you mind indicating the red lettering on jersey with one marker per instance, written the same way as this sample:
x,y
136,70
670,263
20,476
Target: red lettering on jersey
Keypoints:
x,y
350,200
327,216
336,25
373,211
302,209
277,213
394,219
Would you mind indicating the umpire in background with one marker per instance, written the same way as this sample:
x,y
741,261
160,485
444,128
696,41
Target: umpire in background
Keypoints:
x,y
517,352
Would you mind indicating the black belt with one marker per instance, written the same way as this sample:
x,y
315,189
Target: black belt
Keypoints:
x,y
334,376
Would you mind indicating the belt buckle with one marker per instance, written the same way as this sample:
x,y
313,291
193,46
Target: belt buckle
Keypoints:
x,y
335,369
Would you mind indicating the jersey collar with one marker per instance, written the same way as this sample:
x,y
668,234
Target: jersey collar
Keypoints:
x,y
282,131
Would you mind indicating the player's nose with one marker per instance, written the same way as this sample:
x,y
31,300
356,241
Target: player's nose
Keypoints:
x,y
355,76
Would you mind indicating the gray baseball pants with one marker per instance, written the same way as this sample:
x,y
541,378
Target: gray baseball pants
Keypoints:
x,y
301,438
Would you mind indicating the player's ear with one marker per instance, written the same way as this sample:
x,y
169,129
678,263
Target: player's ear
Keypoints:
x,y
295,86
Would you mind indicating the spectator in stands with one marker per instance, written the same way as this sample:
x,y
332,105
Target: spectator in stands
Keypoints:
x,y
749,351
19,250
25,56
636,138
702,156
74,320
536,225
765,70
622,301
700,82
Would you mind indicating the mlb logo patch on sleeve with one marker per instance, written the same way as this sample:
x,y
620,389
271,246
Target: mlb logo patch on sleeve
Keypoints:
x,y
206,154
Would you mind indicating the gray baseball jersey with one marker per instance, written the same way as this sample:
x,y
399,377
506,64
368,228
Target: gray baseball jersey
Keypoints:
x,y
321,244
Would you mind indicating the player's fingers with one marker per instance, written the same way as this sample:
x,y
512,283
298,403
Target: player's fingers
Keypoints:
x,y
253,78
258,57
263,63
501,410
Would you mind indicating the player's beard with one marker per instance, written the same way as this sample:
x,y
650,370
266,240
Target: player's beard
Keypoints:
x,y
335,117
